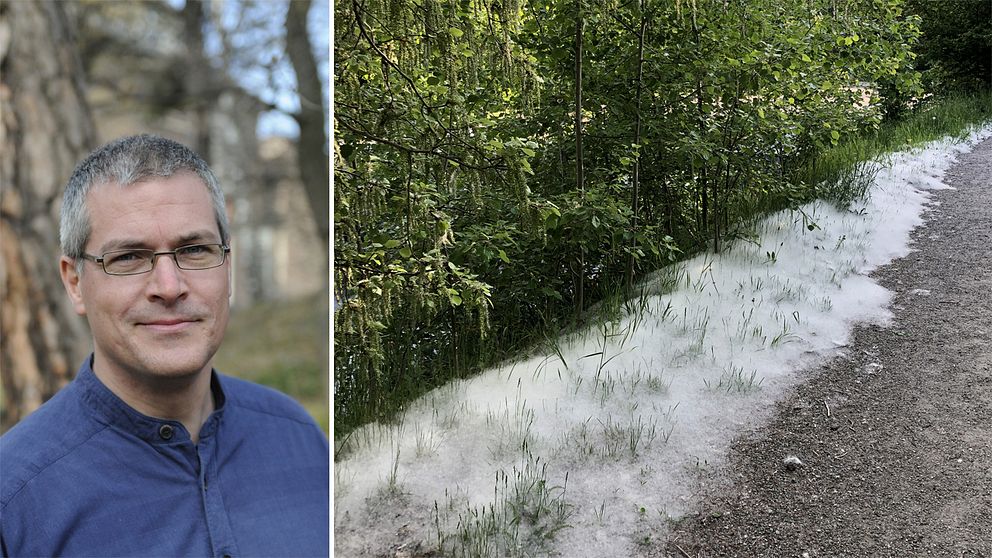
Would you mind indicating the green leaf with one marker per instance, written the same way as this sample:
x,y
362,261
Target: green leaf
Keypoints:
x,y
835,134
455,32
392,243
405,252
551,292
503,256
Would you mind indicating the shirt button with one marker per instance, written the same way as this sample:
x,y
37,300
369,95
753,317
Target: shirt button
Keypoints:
x,y
166,431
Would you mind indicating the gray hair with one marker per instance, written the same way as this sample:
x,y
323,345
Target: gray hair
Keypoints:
x,y
124,162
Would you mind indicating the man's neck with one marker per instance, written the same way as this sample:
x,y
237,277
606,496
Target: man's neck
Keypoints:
x,y
187,400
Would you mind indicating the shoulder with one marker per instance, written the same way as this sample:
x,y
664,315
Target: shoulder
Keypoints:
x,y
48,435
258,399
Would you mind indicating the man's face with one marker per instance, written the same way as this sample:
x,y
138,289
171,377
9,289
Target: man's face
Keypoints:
x,y
168,322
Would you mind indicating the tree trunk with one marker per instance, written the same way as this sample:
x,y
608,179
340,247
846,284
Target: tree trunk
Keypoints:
x,y
579,172
199,79
635,201
45,128
313,158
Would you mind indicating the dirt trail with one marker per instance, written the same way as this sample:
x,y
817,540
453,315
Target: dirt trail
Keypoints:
x,y
895,437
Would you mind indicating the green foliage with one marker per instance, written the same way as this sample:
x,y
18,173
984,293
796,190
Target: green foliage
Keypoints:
x,y
460,229
419,153
955,49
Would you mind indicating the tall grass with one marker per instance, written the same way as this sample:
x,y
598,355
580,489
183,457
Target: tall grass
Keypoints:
x,y
524,516
842,173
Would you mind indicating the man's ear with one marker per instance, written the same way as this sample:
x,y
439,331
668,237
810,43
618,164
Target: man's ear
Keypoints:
x,y
70,280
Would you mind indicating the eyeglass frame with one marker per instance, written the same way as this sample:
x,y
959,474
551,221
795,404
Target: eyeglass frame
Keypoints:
x,y
154,257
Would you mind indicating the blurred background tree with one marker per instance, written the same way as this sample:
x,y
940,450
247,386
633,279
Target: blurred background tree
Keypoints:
x,y
243,83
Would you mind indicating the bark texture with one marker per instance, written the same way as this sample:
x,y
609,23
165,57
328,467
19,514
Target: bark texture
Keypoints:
x,y
45,128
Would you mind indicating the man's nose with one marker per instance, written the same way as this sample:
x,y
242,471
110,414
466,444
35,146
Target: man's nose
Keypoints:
x,y
167,282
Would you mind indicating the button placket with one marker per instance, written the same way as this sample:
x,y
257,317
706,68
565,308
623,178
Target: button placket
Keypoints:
x,y
218,523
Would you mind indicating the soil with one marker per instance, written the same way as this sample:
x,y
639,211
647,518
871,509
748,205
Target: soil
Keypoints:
x,y
895,437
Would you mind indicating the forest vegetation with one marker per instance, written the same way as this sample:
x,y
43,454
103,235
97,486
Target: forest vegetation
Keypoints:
x,y
501,166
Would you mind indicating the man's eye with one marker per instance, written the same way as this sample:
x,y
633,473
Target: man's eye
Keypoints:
x,y
124,257
192,250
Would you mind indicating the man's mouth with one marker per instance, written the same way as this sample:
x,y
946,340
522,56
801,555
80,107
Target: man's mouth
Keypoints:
x,y
169,325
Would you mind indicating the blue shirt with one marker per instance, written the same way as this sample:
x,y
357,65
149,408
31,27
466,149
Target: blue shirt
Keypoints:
x,y
87,475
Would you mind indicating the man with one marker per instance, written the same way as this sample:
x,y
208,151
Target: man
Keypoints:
x,y
149,451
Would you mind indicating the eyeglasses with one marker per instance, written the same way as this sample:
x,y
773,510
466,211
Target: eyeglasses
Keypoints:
x,y
133,262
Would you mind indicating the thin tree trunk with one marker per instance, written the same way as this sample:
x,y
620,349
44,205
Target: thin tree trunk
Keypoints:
x,y
669,207
703,184
46,129
637,141
198,80
579,172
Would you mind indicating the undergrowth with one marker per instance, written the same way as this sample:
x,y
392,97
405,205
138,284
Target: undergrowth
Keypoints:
x,y
839,174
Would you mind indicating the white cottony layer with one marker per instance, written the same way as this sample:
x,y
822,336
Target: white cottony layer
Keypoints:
x,y
631,412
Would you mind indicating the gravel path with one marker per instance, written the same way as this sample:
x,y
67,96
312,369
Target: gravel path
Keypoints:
x,y
896,437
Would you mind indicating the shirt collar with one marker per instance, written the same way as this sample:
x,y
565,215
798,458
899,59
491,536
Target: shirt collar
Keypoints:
x,y
113,411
